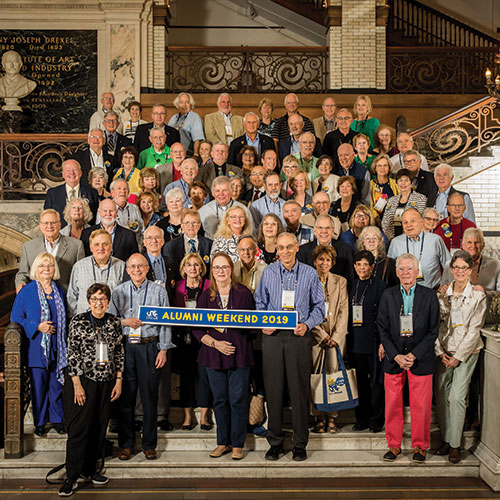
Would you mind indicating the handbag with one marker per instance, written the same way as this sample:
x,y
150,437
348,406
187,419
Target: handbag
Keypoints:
x,y
256,408
334,391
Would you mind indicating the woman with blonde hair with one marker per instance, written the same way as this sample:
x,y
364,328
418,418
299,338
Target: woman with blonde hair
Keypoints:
x,y
267,122
363,123
301,185
385,141
234,224
149,181
360,218
382,187
77,214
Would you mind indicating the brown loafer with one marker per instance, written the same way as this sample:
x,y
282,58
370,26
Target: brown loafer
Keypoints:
x,y
237,453
150,454
220,450
444,450
454,457
125,454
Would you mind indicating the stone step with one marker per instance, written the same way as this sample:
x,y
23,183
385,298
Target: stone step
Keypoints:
x,y
182,464
198,440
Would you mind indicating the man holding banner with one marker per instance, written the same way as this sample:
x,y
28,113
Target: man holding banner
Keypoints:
x,y
289,285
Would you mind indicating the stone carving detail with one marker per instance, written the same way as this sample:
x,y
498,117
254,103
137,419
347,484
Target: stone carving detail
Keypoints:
x,y
13,85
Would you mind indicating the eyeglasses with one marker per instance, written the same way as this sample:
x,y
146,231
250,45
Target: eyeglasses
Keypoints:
x,y
343,118
218,269
137,266
191,224
95,137
46,266
192,264
49,223
460,268
361,216
237,217
371,240
431,219
155,238
290,247
97,300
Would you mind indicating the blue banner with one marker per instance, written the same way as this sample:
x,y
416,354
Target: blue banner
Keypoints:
x,y
181,316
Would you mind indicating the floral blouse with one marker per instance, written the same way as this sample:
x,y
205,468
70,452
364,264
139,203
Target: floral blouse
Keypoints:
x,y
82,342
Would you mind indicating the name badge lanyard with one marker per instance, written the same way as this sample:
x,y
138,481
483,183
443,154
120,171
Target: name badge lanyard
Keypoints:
x,y
357,305
197,292
102,358
456,315
94,273
420,254
288,296
221,306
135,333
217,209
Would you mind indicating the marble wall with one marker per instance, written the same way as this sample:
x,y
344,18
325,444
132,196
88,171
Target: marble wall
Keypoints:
x,y
63,63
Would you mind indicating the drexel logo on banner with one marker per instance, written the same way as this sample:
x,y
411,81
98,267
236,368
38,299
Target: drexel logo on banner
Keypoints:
x,y
181,316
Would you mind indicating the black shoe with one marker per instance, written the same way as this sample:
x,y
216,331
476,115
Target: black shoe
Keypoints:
x,y
299,454
359,427
274,453
66,490
392,454
40,430
60,429
376,429
206,427
188,427
419,455
165,425
99,479
138,426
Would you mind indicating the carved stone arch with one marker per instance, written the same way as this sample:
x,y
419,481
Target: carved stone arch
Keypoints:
x,y
11,240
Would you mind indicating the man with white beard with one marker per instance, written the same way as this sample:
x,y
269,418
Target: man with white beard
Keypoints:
x,y
271,203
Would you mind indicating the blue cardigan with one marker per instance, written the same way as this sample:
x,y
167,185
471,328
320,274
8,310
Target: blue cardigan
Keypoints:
x,y
27,312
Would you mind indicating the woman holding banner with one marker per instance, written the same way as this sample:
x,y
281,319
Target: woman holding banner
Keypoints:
x,y
227,355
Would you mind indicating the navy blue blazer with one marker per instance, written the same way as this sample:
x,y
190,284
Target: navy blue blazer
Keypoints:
x,y
426,319
28,313
284,146
142,142
237,144
85,161
121,142
124,242
174,252
57,198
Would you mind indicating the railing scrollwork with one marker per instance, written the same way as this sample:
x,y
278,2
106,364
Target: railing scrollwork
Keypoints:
x,y
30,164
467,131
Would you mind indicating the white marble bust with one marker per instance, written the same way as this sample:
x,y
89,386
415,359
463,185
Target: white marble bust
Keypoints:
x,y
13,85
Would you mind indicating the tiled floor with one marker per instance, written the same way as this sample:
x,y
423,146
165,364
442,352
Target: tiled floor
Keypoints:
x,y
271,489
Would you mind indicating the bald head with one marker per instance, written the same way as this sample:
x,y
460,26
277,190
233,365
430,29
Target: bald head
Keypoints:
x,y
345,152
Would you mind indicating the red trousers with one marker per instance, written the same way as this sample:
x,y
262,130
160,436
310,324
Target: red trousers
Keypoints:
x,y
420,409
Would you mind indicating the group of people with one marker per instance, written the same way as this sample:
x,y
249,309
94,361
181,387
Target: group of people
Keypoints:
x,y
334,218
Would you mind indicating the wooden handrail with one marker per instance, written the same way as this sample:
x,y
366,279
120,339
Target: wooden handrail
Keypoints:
x,y
243,48
430,49
453,116
43,137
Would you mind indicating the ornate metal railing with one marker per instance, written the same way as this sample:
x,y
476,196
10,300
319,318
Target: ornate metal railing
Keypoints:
x,y
428,26
458,134
30,164
247,69
438,70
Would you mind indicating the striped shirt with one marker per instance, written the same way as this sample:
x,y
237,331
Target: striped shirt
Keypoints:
x,y
309,298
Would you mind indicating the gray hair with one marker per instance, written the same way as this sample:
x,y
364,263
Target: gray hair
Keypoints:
x,y
412,152
189,160
444,166
407,256
218,181
87,213
247,237
111,113
154,227
285,233
220,143
303,136
190,97
326,217
50,211
174,193
224,94
96,130
116,181
98,171
380,245
473,231
160,129
251,113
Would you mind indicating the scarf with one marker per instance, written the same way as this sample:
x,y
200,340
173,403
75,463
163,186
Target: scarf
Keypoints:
x,y
61,362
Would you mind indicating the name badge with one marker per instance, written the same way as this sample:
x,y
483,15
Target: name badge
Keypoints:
x,y
380,205
357,315
406,325
398,213
344,226
420,276
326,309
229,130
134,336
191,304
102,353
456,318
220,330
161,283
288,300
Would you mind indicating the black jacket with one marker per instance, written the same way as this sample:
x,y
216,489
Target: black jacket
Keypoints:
x,y
124,242
142,142
237,144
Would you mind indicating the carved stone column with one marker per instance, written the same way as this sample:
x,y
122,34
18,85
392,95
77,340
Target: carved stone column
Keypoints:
x,y
488,450
13,403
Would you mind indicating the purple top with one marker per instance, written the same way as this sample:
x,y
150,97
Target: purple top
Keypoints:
x,y
180,291
240,298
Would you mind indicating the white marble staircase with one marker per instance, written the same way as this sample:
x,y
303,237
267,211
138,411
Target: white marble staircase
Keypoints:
x,y
184,454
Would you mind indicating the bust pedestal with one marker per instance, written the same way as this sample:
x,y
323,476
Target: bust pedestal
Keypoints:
x,y
488,450
10,121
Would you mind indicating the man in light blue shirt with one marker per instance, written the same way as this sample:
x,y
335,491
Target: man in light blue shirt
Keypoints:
x,y
428,248
271,203
188,123
145,353
443,175
289,285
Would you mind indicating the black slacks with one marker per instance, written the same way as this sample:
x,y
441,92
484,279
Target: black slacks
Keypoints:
x,y
86,425
139,374
287,355
371,409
